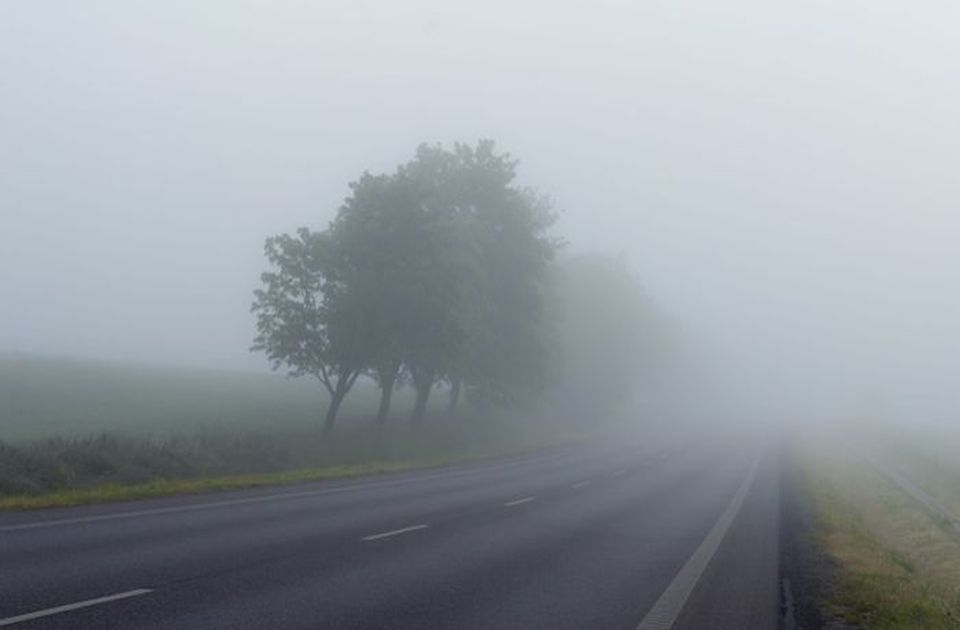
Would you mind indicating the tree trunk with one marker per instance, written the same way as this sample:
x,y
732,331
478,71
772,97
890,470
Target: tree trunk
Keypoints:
x,y
386,394
420,406
335,401
423,384
345,381
454,396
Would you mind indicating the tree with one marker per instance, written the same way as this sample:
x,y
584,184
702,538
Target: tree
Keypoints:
x,y
379,235
306,320
436,271
430,329
403,263
612,335
498,247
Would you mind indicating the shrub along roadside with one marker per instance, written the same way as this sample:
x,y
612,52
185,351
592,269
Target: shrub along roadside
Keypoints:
x,y
65,472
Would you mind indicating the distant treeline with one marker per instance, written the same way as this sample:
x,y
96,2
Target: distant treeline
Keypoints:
x,y
446,271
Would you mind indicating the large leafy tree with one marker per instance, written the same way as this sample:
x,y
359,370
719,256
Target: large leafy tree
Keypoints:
x,y
500,241
437,269
307,320
385,248
435,275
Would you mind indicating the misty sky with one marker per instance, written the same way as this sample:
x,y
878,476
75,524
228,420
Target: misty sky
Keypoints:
x,y
784,176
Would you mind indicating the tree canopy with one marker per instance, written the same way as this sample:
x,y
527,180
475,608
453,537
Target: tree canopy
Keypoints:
x,y
440,271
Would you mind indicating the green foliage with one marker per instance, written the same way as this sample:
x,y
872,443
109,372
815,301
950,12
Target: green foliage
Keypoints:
x,y
307,319
437,270
497,248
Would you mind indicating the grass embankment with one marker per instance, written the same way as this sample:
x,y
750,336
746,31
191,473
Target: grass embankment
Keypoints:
x,y
894,565
75,432
106,469
160,487
930,457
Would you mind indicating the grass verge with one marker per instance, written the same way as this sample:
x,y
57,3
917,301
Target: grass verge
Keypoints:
x,y
114,492
896,566
105,469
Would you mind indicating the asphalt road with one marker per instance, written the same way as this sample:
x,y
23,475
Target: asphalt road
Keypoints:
x,y
611,536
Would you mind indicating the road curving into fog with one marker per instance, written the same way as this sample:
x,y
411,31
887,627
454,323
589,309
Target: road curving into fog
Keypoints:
x,y
618,535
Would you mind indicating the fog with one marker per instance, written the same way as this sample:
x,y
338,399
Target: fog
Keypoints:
x,y
782,176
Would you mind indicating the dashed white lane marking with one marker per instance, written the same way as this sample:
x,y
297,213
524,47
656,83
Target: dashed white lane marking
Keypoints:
x,y
582,484
666,609
395,532
519,501
9,621
618,473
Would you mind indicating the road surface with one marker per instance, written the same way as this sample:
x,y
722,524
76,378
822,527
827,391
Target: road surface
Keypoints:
x,y
610,536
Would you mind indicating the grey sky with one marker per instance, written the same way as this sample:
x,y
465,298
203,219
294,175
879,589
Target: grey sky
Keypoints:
x,y
782,175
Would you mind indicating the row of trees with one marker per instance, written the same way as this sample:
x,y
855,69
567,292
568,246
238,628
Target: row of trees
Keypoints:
x,y
439,271
615,346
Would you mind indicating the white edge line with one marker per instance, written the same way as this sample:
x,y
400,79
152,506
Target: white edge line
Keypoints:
x,y
668,607
395,532
9,621
519,501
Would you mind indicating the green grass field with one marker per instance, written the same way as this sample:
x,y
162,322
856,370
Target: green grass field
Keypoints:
x,y
75,431
44,397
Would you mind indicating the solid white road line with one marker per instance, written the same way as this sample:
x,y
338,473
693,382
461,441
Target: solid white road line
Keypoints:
x,y
395,532
667,608
582,484
519,501
9,621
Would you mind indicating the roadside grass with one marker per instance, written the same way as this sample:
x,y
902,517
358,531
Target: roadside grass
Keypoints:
x,y
75,431
930,460
114,492
897,567
60,472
